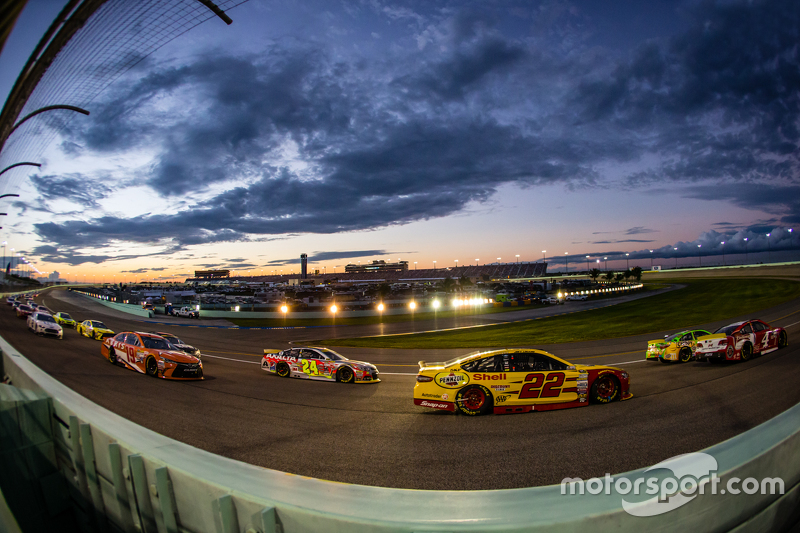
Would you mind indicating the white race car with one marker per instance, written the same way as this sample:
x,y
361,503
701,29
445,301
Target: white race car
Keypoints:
x,y
44,324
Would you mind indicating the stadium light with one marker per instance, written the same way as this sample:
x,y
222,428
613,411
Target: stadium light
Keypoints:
x,y
380,307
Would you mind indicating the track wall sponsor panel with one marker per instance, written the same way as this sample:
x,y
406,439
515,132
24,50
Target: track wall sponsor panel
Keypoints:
x,y
126,475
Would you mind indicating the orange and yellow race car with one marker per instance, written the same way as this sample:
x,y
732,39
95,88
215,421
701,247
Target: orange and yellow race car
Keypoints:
x,y
516,381
152,355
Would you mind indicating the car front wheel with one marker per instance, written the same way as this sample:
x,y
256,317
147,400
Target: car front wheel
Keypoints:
x,y
151,366
747,351
605,389
685,355
346,375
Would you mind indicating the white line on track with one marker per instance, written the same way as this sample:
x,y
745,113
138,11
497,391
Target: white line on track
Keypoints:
x,y
628,362
229,359
790,325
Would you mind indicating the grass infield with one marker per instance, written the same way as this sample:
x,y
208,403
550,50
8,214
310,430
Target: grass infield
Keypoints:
x,y
700,302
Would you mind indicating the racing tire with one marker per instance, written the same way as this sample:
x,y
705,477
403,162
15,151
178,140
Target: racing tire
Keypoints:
x,y
283,370
346,375
151,366
112,355
474,400
747,351
685,355
605,389
783,340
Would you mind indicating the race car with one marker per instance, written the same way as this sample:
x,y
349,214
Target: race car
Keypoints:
x,y
64,319
23,310
179,344
740,341
94,329
676,347
44,324
318,363
151,354
516,381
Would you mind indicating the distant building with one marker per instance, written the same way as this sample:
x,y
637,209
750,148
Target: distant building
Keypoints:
x,y
303,266
377,266
212,274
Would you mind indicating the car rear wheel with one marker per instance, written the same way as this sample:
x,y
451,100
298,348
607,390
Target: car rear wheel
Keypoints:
x,y
112,355
783,340
282,370
474,400
151,366
346,375
685,355
747,351
605,389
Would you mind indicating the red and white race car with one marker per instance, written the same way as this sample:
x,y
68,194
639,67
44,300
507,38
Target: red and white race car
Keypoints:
x,y
740,341
318,363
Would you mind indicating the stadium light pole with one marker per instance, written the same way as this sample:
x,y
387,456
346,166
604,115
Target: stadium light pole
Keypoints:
x,y
456,261
651,259
566,263
415,265
517,258
544,256
699,254
723,252
769,253
434,265
476,261
676,258
627,262
587,264
605,262
745,251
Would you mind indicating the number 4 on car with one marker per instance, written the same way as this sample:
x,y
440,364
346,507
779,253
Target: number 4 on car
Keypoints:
x,y
516,381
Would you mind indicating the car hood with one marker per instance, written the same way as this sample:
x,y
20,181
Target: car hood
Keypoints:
x,y
180,357
352,361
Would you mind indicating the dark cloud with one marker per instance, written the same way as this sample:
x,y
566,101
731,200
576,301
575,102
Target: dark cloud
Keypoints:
x,y
73,187
420,133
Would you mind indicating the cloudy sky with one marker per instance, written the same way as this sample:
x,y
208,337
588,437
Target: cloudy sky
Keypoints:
x,y
428,131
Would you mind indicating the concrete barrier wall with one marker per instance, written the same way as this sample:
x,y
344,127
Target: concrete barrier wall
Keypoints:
x,y
140,480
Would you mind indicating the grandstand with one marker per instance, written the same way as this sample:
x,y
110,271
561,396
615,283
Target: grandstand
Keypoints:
x,y
493,272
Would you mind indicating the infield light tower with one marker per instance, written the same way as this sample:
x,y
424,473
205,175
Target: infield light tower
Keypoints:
x,y
303,266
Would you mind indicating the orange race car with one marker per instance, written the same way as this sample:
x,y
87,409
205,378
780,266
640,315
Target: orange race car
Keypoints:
x,y
151,354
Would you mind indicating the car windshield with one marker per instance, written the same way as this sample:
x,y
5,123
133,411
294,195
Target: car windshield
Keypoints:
x,y
156,343
65,316
673,338
332,355
99,325
45,318
454,360
727,330
24,308
173,339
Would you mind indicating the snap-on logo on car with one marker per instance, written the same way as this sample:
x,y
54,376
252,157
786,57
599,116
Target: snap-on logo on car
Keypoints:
x,y
451,379
435,405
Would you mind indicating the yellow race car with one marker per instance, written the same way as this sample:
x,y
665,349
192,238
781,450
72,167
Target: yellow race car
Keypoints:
x,y
64,319
94,329
679,347
516,381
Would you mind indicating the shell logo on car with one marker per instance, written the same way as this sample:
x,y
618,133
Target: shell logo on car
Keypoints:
x,y
516,381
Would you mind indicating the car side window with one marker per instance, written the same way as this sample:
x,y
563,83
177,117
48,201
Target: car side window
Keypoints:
x,y
486,364
758,326
747,329
132,339
120,337
687,337
308,354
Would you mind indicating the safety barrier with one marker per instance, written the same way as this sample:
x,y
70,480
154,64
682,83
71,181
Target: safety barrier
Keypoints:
x,y
122,474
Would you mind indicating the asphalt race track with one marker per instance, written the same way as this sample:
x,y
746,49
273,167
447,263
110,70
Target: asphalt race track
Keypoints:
x,y
373,434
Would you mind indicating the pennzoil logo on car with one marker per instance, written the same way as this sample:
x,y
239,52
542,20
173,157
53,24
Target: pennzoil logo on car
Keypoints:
x,y
451,379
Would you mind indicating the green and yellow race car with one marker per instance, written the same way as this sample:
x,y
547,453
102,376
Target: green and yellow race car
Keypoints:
x,y
94,329
64,319
678,347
